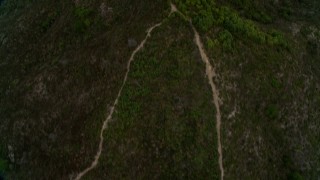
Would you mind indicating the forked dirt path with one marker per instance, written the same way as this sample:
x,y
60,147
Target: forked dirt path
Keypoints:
x,y
106,122
210,72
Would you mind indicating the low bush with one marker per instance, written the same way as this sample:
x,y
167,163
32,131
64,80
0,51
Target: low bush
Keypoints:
x,y
47,23
226,40
82,19
3,165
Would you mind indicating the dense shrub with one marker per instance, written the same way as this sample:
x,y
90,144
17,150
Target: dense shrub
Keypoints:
x,y
226,40
205,15
82,19
211,44
276,38
231,21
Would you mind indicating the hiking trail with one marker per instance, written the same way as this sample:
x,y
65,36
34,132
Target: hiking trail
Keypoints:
x,y
210,72
105,123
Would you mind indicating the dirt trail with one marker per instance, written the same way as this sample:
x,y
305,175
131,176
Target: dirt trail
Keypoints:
x,y
210,72
215,94
105,123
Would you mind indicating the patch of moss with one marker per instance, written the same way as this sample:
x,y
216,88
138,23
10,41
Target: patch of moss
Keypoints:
x,y
3,165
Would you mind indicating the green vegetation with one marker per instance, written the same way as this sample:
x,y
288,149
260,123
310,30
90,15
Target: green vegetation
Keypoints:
x,y
211,44
292,173
226,38
3,165
272,112
295,176
255,10
3,162
206,15
83,19
230,20
47,23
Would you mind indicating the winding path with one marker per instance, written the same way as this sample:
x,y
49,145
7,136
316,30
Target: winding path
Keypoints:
x,y
106,122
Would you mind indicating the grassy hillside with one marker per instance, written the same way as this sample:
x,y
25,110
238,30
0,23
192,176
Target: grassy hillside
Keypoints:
x,y
58,77
62,64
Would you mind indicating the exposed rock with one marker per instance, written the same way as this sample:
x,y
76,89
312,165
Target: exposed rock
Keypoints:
x,y
11,154
76,2
3,39
295,28
132,42
52,137
103,10
23,159
110,10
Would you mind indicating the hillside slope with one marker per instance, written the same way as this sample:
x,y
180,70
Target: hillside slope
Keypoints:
x,y
62,65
